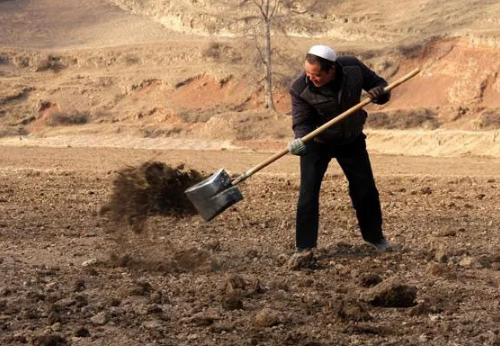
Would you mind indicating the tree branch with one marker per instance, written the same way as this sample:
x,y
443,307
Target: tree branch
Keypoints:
x,y
275,9
261,55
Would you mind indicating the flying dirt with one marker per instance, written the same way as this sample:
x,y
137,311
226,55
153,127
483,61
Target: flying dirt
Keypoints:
x,y
152,188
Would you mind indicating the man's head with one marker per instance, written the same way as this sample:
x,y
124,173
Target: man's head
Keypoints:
x,y
320,65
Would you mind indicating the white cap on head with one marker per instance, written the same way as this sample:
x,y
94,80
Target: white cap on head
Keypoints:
x,y
324,52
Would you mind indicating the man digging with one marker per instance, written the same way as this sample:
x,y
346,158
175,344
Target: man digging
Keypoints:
x,y
328,86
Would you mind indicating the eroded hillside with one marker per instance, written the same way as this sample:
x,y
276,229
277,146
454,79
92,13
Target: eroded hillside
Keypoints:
x,y
342,20
95,67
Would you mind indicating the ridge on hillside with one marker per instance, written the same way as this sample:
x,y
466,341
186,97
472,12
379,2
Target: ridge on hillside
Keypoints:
x,y
342,20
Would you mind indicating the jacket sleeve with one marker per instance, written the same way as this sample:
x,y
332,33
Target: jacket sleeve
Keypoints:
x,y
372,80
302,117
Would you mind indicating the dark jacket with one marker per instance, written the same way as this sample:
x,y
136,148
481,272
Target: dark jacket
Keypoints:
x,y
312,106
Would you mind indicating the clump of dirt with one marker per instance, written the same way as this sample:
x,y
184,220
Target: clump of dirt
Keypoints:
x,y
266,318
303,260
369,280
232,301
353,311
392,293
50,340
153,188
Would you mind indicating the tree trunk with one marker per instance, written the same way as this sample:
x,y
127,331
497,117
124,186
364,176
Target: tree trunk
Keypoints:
x,y
268,84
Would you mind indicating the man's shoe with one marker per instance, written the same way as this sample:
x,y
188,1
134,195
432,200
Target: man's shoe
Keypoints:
x,y
381,244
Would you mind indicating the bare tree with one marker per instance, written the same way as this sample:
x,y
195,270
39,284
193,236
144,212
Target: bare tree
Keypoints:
x,y
269,14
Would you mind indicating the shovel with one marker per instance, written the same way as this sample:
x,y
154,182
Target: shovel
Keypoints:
x,y
215,194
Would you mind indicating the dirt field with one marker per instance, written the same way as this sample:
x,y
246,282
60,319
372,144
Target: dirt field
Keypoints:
x,y
88,88
69,276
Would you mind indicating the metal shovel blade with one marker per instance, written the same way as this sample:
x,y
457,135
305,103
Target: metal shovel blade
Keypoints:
x,y
214,195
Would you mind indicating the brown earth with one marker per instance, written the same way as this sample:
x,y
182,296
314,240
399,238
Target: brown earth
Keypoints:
x,y
92,91
69,275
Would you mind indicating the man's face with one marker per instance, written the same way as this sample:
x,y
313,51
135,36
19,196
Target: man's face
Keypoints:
x,y
317,76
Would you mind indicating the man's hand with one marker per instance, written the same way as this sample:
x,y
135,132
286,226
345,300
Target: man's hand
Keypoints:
x,y
376,92
297,147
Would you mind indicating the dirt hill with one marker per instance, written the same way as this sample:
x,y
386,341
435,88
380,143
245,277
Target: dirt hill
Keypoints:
x,y
190,69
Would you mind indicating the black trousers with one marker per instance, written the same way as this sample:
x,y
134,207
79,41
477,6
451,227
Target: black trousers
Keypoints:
x,y
355,163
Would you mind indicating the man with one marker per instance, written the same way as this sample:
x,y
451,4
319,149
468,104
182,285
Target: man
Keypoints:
x,y
328,86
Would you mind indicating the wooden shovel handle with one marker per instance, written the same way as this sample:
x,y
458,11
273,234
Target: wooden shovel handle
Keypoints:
x,y
323,127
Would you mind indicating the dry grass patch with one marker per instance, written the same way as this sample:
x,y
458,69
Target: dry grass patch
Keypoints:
x,y
64,119
404,119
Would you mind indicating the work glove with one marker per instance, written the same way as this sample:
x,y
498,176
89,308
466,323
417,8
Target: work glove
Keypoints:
x,y
376,92
297,147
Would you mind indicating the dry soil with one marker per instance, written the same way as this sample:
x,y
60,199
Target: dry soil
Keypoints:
x,y
69,275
